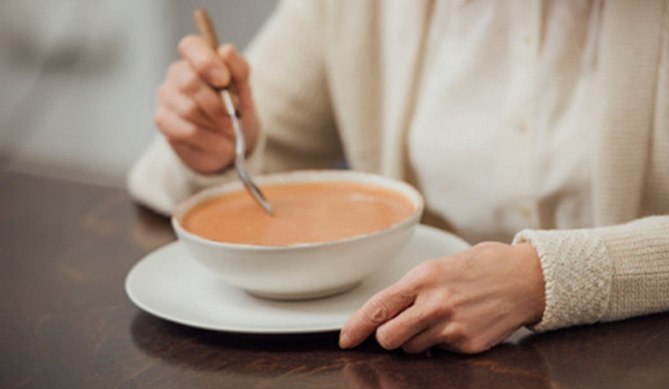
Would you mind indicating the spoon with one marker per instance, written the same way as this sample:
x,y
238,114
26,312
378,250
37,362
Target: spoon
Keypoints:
x,y
207,31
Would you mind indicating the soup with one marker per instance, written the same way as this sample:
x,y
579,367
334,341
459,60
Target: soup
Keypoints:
x,y
303,213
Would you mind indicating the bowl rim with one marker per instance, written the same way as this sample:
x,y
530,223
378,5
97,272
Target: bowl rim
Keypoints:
x,y
300,176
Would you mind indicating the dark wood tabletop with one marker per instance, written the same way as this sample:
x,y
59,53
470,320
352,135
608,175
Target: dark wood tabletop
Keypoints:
x,y
65,249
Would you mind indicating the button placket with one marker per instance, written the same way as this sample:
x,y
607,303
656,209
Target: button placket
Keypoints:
x,y
525,127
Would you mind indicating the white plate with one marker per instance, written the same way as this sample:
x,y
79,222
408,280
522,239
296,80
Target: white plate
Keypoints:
x,y
169,284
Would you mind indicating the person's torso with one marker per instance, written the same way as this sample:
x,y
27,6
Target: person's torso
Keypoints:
x,y
498,142
506,132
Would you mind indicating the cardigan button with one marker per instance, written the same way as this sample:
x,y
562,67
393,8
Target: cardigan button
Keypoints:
x,y
526,212
523,127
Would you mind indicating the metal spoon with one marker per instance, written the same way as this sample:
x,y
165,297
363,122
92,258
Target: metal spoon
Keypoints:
x,y
207,30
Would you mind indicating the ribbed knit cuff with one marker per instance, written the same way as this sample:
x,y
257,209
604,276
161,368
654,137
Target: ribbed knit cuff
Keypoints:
x,y
640,255
577,273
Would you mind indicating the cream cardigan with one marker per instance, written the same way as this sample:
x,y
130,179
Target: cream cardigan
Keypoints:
x,y
334,78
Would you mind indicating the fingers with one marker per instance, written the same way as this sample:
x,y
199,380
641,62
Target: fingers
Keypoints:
x,y
175,128
183,79
191,113
237,65
203,59
240,72
184,106
378,310
449,336
197,158
425,312
469,302
220,68
397,331
204,69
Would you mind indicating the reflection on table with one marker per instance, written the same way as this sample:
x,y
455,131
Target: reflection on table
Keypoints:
x,y
66,322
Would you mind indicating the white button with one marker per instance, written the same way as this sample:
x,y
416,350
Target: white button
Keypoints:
x,y
523,127
527,212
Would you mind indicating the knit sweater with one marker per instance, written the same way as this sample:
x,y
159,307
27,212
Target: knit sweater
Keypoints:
x,y
334,79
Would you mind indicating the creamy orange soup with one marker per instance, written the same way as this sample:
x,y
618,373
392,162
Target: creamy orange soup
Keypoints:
x,y
303,213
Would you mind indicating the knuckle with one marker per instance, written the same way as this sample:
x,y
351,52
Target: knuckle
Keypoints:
x,y
188,81
190,109
227,50
471,346
185,43
205,63
454,335
444,309
425,314
422,274
438,310
379,311
385,339
189,131
218,76
429,268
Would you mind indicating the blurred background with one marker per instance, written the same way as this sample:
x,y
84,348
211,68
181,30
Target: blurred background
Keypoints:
x,y
78,78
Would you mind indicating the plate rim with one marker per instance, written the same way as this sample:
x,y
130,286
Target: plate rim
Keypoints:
x,y
245,330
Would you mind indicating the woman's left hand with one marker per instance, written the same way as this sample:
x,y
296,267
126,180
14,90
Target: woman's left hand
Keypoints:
x,y
467,302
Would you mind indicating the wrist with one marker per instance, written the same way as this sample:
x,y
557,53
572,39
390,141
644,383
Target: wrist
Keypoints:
x,y
533,282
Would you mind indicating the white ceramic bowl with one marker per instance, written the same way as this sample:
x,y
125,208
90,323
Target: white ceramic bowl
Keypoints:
x,y
305,270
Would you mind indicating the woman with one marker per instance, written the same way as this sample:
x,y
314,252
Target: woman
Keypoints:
x,y
541,123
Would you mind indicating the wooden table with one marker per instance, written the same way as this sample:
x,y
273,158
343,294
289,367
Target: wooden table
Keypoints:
x,y
65,249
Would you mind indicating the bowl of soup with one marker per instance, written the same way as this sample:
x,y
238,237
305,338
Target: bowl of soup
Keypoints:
x,y
329,231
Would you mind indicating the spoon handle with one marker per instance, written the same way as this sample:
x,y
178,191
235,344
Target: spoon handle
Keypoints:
x,y
207,30
205,27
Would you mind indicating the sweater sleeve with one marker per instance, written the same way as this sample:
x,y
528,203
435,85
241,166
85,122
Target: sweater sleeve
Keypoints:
x,y
602,274
291,97
160,181
290,87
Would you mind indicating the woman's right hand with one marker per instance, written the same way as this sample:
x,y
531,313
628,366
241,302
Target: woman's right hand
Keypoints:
x,y
190,112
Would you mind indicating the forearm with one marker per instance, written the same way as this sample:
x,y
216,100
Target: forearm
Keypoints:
x,y
603,274
288,83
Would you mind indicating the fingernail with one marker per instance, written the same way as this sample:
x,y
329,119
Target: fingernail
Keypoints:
x,y
344,341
